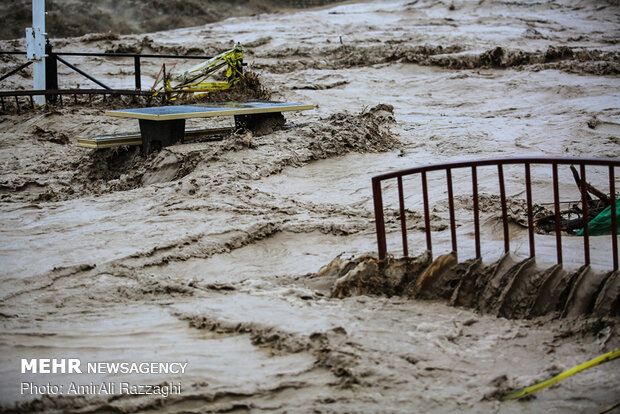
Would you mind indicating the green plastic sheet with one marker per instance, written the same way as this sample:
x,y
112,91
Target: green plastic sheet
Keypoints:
x,y
601,224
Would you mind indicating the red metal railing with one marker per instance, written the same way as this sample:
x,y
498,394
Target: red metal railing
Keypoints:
x,y
499,163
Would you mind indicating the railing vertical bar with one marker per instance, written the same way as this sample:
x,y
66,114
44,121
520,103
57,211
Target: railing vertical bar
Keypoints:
x,y
427,215
614,218
17,103
584,210
502,193
451,207
474,183
136,62
379,219
530,215
403,219
558,218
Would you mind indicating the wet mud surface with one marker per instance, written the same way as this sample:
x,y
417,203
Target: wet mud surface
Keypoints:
x,y
218,253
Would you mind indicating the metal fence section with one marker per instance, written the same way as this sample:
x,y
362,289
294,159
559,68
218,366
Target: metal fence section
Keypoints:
x,y
57,94
582,163
52,92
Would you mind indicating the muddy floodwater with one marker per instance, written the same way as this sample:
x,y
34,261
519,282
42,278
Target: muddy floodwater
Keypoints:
x,y
208,253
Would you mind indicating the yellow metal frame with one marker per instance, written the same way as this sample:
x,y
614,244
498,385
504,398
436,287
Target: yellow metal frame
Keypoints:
x,y
196,79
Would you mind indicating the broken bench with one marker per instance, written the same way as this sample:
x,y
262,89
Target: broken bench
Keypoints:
x,y
165,125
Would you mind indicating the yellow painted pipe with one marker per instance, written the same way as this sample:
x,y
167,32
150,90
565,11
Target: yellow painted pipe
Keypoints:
x,y
524,392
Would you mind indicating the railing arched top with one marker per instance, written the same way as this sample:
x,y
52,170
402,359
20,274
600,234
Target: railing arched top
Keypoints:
x,y
500,161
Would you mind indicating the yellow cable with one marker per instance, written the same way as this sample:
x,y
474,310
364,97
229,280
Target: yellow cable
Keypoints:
x,y
608,409
524,392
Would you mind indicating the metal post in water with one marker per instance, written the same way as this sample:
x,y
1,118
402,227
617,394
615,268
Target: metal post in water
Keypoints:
x,y
35,47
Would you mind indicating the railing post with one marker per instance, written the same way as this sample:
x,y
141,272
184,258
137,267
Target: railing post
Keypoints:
x,y
474,184
427,215
451,208
51,73
403,219
379,220
502,195
584,211
530,216
136,62
558,218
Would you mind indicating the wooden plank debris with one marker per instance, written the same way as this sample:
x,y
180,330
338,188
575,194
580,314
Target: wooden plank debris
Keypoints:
x,y
134,138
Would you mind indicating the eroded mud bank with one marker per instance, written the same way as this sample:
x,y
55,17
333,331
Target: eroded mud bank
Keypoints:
x,y
510,287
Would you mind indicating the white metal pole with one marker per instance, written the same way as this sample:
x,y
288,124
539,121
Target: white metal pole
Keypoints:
x,y
38,28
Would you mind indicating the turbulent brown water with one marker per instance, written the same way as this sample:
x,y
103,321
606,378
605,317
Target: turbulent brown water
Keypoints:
x,y
77,18
210,252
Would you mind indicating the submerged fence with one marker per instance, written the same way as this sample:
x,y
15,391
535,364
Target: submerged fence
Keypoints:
x,y
52,92
584,187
